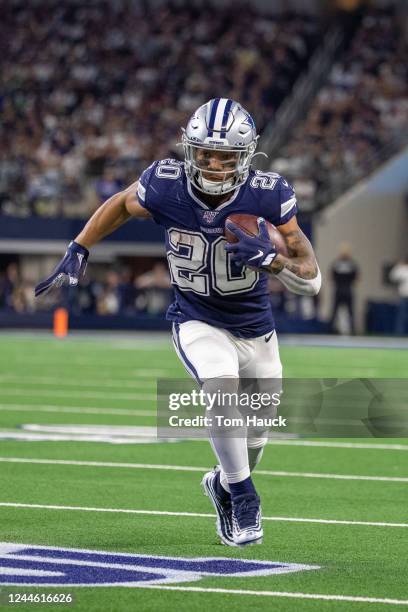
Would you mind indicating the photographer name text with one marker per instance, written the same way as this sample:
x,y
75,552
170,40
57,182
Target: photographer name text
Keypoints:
x,y
222,421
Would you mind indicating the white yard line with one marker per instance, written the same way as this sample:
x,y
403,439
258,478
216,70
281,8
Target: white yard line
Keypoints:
x,y
334,476
137,339
112,367
176,468
276,441
361,445
110,510
118,411
75,410
281,519
89,394
315,596
58,381
190,468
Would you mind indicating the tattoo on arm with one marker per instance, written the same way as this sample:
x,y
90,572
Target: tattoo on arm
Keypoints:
x,y
301,260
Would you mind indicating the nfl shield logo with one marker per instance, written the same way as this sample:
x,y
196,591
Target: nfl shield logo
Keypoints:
x,y
209,215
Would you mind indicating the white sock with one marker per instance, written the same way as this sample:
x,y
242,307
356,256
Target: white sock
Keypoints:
x,y
255,448
231,452
232,455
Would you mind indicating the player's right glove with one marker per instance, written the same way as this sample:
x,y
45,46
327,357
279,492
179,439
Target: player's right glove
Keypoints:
x,y
68,271
252,251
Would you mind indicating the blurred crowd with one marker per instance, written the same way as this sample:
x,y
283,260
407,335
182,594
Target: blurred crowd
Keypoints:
x,y
358,117
103,292
91,93
16,292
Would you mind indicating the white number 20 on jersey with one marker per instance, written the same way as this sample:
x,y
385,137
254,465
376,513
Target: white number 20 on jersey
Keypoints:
x,y
191,253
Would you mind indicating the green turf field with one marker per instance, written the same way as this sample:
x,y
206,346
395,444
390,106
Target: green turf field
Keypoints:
x,y
341,505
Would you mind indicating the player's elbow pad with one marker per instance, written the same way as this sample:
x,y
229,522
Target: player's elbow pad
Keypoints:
x,y
301,286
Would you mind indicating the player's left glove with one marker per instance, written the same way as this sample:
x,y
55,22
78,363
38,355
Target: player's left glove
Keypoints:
x,y
68,271
253,251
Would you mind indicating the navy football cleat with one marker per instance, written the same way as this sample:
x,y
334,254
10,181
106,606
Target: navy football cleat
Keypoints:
x,y
246,520
223,507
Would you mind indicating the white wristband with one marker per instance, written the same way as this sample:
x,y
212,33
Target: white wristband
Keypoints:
x,y
301,286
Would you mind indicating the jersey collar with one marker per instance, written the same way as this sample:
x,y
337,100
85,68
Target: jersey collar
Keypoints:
x,y
205,206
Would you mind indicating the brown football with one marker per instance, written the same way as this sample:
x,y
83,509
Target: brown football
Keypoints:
x,y
248,223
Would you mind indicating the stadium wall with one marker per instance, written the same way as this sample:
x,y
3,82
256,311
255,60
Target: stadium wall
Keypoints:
x,y
373,218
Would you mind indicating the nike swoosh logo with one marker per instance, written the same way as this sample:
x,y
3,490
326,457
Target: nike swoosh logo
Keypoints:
x,y
260,254
267,338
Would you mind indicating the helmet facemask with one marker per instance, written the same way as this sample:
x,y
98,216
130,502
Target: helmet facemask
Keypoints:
x,y
217,169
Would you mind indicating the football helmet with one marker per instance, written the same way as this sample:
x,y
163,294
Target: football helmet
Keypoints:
x,y
219,143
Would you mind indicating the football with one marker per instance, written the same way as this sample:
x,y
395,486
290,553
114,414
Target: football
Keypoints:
x,y
248,223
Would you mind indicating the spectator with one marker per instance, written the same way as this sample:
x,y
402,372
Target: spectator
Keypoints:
x,y
9,285
107,185
108,302
344,274
127,292
155,289
399,275
83,300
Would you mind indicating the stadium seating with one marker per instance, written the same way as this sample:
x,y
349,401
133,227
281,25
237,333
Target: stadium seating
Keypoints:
x,y
101,89
357,120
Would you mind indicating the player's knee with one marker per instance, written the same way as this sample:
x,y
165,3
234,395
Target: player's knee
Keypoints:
x,y
258,442
225,384
222,399
221,395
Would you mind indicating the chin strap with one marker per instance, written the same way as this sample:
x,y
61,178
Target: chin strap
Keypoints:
x,y
217,188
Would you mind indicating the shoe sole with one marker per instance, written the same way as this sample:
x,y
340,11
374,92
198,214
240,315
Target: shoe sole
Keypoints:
x,y
250,543
207,493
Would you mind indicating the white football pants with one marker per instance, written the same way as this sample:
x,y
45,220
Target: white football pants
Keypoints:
x,y
210,353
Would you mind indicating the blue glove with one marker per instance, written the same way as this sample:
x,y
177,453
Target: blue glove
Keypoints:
x,y
252,251
68,271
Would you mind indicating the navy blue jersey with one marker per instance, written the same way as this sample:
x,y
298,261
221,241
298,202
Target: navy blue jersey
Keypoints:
x,y
208,286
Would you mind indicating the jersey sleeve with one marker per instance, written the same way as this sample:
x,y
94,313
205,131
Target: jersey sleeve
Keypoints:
x,y
145,194
157,189
288,203
279,204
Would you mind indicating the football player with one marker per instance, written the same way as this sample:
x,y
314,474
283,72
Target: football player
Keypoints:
x,y
223,327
